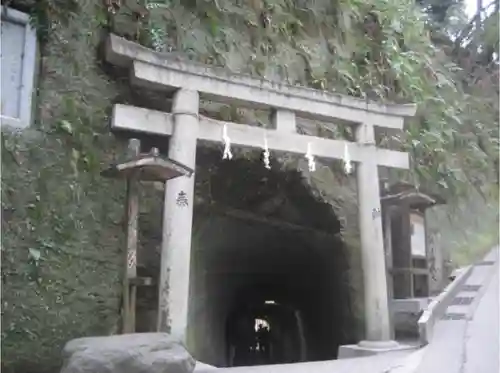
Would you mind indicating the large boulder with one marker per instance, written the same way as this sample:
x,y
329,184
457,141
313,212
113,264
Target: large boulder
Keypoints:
x,y
127,353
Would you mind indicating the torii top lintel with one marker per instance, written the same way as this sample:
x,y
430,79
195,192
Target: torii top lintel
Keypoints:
x,y
218,84
166,72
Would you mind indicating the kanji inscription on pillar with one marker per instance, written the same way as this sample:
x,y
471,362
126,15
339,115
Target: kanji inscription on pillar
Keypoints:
x,y
182,199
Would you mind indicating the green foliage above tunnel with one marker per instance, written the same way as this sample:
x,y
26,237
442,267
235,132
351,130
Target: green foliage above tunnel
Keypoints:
x,y
377,49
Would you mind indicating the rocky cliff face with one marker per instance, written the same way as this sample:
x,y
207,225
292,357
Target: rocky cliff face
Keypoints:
x,y
61,226
61,222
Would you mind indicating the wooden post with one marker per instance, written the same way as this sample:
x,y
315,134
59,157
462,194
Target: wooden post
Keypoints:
x,y
177,219
132,213
406,250
387,215
377,324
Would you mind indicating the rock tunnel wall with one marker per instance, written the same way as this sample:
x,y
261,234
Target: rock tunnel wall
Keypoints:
x,y
233,259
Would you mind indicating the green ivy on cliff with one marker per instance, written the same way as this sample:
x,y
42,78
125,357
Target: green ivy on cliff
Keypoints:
x,y
376,49
61,226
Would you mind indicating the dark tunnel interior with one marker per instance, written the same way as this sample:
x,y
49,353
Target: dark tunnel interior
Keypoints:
x,y
291,284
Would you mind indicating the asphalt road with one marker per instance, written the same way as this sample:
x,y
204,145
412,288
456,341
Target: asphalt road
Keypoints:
x,y
482,334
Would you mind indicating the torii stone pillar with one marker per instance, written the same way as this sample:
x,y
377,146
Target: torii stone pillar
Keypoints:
x,y
177,219
378,331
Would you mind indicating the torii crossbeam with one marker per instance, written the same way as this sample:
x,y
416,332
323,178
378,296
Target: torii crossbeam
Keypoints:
x,y
189,81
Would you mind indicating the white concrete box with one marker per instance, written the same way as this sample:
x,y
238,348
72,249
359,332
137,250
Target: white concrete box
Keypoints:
x,y
18,66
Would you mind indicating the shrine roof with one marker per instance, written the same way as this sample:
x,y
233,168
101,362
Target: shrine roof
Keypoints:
x,y
402,192
147,167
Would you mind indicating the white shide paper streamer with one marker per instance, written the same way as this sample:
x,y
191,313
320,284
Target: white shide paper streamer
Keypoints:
x,y
310,159
227,144
347,160
267,162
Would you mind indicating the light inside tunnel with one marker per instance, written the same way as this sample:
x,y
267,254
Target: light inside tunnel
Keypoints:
x,y
269,302
260,323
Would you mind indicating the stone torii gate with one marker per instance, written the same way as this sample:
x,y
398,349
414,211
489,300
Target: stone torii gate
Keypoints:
x,y
188,81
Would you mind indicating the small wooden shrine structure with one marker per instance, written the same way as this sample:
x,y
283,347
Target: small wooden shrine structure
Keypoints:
x,y
409,253
413,257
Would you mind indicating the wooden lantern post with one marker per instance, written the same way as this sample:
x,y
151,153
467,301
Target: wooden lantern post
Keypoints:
x,y
136,168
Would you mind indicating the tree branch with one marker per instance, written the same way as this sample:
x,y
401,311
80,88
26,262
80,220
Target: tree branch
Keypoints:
x,y
476,20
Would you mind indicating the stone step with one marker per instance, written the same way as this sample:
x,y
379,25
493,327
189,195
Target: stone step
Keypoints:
x,y
470,288
454,316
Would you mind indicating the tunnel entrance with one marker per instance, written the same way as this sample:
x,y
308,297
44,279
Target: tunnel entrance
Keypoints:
x,y
265,252
265,249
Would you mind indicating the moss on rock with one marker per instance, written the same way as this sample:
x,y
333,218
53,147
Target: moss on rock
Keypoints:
x,y
61,222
